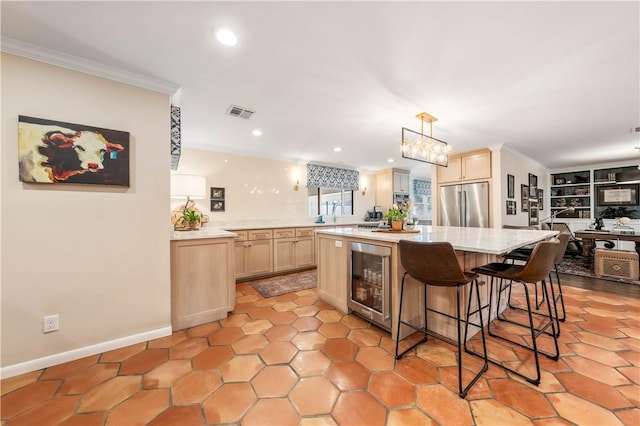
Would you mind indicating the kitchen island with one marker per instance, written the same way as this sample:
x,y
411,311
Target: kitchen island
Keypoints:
x,y
474,247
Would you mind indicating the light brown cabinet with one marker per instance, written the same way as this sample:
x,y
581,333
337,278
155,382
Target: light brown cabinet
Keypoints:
x,y
254,252
202,281
469,166
391,183
333,280
293,248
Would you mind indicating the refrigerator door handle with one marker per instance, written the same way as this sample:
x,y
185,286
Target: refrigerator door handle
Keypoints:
x,y
463,209
460,209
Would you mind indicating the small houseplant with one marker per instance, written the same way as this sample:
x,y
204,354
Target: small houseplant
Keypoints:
x,y
396,216
191,219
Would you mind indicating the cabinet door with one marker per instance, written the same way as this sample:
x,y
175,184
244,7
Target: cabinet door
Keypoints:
x,y
241,259
201,281
400,182
259,257
304,252
332,271
477,166
451,173
284,256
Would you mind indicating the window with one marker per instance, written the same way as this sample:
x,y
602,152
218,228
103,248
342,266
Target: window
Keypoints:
x,y
330,202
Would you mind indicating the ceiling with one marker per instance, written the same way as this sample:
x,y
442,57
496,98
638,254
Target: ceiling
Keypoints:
x,y
556,81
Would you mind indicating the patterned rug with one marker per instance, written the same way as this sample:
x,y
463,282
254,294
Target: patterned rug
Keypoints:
x,y
275,286
576,266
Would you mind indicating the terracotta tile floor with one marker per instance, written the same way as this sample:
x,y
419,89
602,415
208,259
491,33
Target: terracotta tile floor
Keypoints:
x,y
293,359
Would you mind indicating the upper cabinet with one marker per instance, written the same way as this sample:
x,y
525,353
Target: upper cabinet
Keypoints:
x,y
400,182
392,186
467,166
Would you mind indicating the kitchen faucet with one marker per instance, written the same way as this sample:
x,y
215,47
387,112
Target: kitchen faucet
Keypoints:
x,y
333,212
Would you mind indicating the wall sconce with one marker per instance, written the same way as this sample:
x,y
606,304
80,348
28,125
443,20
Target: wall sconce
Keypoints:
x,y
296,186
364,191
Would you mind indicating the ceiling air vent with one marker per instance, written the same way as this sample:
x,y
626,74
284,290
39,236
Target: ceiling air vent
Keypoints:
x,y
236,111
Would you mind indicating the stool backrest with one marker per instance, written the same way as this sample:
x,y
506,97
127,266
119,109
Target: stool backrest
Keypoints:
x,y
431,263
563,240
540,262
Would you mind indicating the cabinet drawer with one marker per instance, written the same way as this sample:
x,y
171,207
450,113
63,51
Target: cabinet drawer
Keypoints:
x,y
284,233
242,235
304,232
260,234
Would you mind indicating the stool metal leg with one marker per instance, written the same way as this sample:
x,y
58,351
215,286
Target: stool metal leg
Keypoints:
x,y
400,322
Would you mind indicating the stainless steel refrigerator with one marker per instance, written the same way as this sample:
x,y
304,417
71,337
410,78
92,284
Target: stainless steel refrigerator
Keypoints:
x,y
465,205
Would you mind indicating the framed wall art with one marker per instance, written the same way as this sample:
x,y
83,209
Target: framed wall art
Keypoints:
x,y
540,199
217,199
217,193
619,195
217,205
511,183
511,207
58,152
524,198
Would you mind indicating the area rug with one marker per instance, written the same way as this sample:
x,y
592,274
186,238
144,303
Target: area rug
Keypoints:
x,y
275,286
576,266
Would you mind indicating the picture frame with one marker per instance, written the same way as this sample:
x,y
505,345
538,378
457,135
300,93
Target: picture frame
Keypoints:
x,y
511,182
533,213
559,181
217,193
540,199
511,207
524,198
217,205
533,186
618,195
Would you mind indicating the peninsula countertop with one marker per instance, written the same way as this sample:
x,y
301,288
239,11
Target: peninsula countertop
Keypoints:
x,y
479,240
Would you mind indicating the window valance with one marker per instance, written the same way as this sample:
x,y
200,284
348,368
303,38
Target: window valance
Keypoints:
x,y
332,177
421,188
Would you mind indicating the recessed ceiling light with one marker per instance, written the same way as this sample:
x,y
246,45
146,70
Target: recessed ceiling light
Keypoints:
x,y
337,149
256,132
227,37
390,160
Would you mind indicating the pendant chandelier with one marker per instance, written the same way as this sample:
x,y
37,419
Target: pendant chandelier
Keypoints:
x,y
420,147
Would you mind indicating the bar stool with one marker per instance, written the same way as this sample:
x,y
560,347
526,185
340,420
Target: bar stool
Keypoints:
x,y
436,264
535,270
524,254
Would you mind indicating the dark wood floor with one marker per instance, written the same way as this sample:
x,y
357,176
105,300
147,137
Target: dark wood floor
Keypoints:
x,y
622,289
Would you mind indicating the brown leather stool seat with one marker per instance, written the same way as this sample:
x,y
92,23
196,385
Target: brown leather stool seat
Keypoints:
x,y
535,270
523,255
436,264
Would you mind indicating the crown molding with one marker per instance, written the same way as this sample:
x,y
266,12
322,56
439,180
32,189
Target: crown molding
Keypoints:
x,y
503,147
53,57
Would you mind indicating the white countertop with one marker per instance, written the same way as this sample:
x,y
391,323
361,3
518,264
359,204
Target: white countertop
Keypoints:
x,y
480,240
204,232
220,231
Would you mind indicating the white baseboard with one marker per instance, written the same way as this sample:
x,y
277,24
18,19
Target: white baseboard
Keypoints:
x,y
62,357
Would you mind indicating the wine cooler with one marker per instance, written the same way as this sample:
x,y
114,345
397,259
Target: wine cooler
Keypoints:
x,y
369,290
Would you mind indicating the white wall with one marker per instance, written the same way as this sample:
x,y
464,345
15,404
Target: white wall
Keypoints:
x,y
518,165
260,189
97,256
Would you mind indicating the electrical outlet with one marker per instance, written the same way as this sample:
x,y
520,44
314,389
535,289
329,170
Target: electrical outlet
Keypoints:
x,y
51,323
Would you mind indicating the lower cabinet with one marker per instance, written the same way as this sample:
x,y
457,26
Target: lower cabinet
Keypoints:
x,y
254,257
202,281
333,282
294,252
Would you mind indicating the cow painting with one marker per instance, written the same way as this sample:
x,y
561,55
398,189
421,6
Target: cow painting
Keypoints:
x,y
57,152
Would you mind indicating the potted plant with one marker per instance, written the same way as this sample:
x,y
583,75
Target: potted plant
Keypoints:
x,y
396,216
191,219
